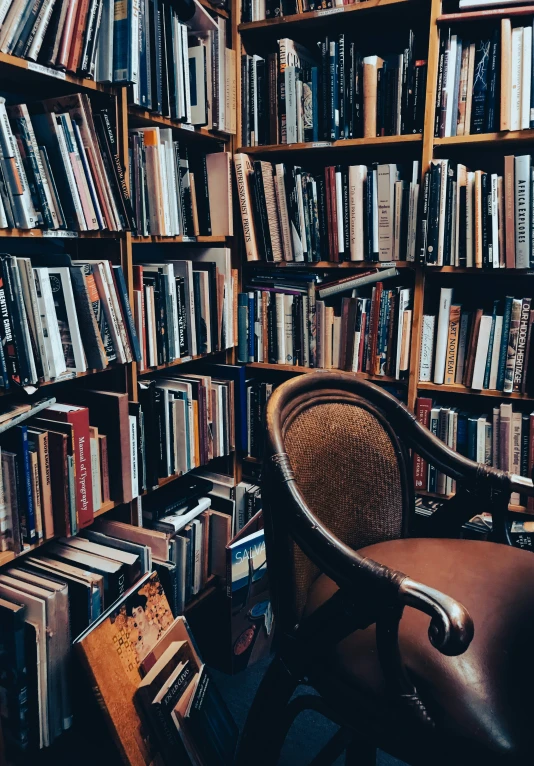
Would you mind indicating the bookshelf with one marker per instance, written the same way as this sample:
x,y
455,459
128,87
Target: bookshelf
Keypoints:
x,y
259,36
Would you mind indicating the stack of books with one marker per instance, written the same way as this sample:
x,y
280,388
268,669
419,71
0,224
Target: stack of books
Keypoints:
x,y
298,95
187,420
162,703
360,334
503,439
353,213
45,602
61,167
176,192
60,321
476,218
481,349
186,73
184,308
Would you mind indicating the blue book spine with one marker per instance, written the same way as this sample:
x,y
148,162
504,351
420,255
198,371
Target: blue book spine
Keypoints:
x,y
315,102
25,483
487,371
504,341
242,328
251,325
432,470
472,425
461,434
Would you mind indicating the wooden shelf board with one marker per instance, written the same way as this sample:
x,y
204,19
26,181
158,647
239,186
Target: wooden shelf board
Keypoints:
x,y
365,265
7,556
482,139
140,117
161,240
13,66
436,496
315,16
487,13
219,11
348,143
177,362
473,270
49,234
458,389
304,370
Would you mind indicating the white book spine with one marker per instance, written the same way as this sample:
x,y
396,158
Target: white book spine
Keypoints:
x,y
339,208
302,223
445,301
357,175
449,86
133,455
375,211
52,338
72,317
526,69
385,199
517,75
469,220
282,209
522,211
495,219
95,476
404,302
427,347
445,179
291,104
288,328
481,440
494,369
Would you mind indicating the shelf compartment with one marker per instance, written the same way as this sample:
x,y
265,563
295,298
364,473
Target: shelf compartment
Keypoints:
x,y
297,368
459,389
140,118
177,362
487,139
343,144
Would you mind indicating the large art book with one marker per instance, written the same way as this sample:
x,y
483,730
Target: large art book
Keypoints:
x,y
247,590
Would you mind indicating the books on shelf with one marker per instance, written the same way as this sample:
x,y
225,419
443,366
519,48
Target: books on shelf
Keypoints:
x,y
477,219
187,420
184,308
332,92
177,192
186,72
60,321
481,348
61,168
501,438
343,213
291,325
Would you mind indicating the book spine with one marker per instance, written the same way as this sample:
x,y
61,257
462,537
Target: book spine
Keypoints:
x,y
511,353
522,211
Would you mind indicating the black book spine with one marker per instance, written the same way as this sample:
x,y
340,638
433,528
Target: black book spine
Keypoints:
x,y
480,87
419,97
443,36
341,84
263,235
161,419
380,88
358,96
263,115
325,102
368,217
296,311
182,316
13,340
165,109
119,169
245,74
433,214
271,330
351,91
389,111
485,183
168,14
491,110
155,55
447,239
322,214
201,329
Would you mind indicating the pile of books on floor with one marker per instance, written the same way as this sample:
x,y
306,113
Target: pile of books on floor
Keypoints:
x,y
481,349
62,464
291,325
184,308
163,703
333,92
503,439
186,421
352,213
60,321
45,602
185,72
61,167
176,192
477,218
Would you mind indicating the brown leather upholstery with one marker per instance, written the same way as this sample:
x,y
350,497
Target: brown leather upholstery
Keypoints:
x,y
485,695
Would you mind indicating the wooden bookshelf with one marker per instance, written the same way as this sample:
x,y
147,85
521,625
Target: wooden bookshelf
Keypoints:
x,y
160,240
345,144
487,139
59,234
297,369
459,389
32,76
313,18
140,118
355,265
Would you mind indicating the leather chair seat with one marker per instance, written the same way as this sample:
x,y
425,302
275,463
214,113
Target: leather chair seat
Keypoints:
x,y
483,698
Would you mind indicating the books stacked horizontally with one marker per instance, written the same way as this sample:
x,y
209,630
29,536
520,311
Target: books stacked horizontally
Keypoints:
x,y
476,218
188,420
359,334
60,321
61,167
297,95
184,308
45,602
177,193
467,96
481,349
185,73
353,213
161,703
503,439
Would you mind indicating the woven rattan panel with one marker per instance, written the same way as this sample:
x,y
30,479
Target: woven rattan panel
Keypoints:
x,y
346,468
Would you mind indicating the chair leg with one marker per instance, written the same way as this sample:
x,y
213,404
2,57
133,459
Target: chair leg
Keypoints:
x,y
359,752
264,732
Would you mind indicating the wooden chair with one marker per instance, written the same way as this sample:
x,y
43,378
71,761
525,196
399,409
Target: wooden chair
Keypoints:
x,y
352,595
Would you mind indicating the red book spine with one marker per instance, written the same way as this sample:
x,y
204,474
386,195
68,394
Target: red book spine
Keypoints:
x,y
373,328
79,419
420,465
329,226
